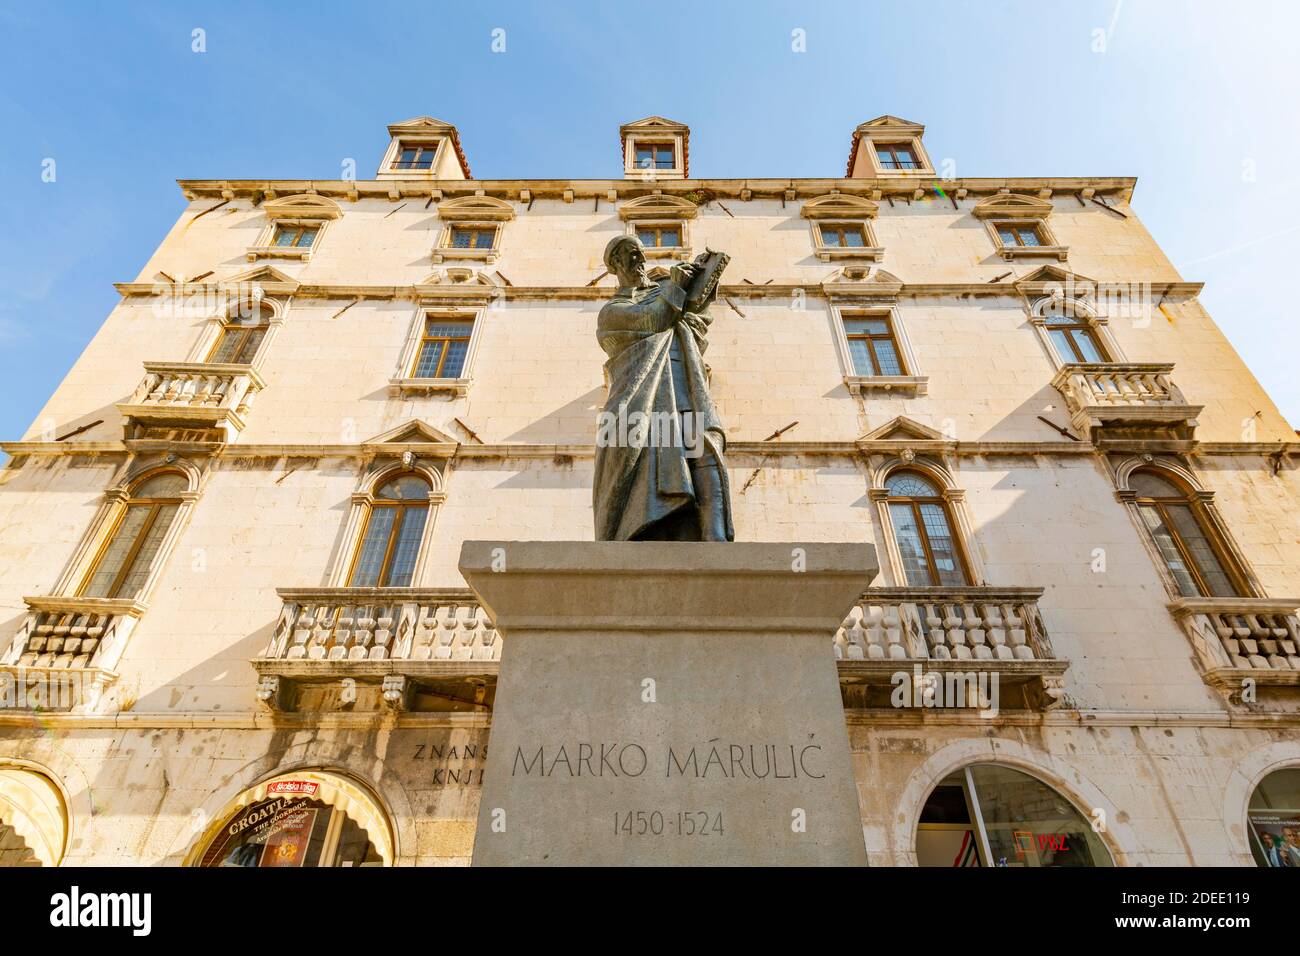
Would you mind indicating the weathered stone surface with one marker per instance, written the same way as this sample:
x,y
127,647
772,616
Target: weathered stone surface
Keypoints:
x,y
668,703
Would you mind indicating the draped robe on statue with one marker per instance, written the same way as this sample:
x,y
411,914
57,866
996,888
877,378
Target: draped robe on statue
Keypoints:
x,y
655,367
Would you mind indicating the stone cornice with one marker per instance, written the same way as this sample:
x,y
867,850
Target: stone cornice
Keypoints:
x,y
889,717
739,447
572,189
476,292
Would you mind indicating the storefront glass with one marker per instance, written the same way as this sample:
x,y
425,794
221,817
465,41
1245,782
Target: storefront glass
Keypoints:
x,y
988,815
296,823
1274,815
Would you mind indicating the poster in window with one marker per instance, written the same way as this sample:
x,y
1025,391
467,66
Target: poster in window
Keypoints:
x,y
1277,835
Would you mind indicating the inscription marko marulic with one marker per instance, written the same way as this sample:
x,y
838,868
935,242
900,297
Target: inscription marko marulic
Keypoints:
x,y
711,760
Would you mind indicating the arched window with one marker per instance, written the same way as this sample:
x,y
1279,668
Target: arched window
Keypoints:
x,y
390,541
1274,815
989,815
240,336
931,553
1195,558
122,565
1074,338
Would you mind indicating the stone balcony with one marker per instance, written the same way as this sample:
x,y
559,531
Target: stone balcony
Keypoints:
x,y
435,649
67,650
368,648
1243,644
207,402
1125,399
951,633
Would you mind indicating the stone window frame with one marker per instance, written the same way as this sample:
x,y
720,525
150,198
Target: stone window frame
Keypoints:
x,y
1235,563
380,471
885,136
913,382
304,209
1097,323
654,141
472,212
654,136
215,325
660,209
835,207
954,499
403,382
102,526
389,163
1007,208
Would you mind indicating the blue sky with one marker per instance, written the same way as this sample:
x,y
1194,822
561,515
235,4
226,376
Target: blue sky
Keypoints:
x,y
1195,99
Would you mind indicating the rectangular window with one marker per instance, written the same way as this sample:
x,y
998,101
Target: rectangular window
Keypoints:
x,y
843,235
443,348
289,236
415,156
896,156
473,237
655,156
1025,234
660,237
872,345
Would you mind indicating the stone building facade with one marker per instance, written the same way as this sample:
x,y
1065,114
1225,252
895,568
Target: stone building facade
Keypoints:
x,y
232,630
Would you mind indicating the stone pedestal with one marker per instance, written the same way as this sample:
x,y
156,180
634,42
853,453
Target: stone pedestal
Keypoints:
x,y
668,703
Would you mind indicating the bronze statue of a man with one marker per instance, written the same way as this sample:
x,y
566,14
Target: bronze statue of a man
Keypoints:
x,y
660,472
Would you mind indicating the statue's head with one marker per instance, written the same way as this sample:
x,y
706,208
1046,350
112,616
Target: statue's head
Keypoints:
x,y
625,258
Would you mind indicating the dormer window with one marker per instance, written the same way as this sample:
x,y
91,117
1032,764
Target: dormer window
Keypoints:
x,y
416,155
423,148
655,148
888,146
655,156
896,156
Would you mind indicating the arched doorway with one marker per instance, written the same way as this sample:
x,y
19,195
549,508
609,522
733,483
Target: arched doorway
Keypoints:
x,y
992,815
307,818
33,819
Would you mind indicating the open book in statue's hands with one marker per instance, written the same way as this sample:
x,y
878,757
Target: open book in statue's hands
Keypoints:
x,y
701,278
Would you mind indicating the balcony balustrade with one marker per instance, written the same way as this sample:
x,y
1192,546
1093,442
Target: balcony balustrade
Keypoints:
x,y
1126,396
188,397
